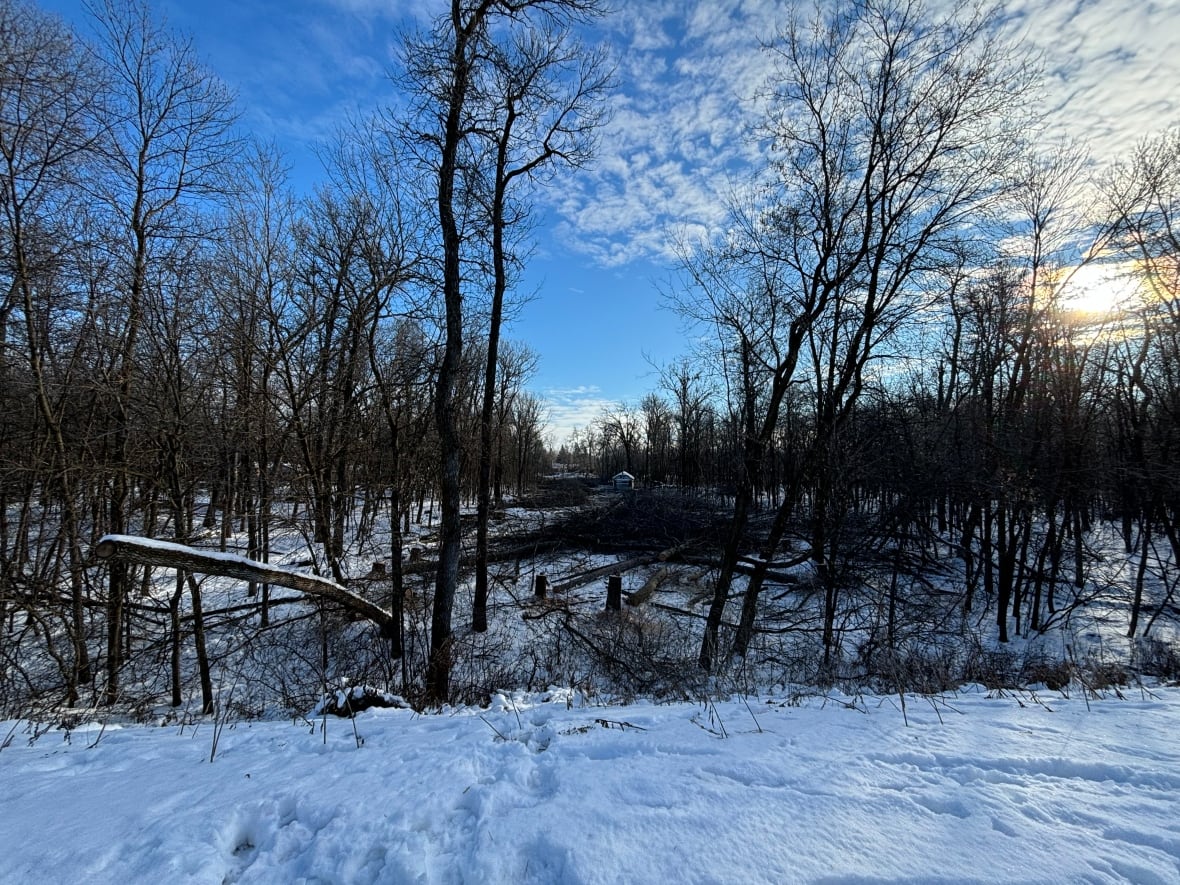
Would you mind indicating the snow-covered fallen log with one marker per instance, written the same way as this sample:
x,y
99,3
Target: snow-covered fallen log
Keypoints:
x,y
169,554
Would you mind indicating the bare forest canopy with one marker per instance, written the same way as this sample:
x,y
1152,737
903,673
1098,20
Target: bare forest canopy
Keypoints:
x,y
896,430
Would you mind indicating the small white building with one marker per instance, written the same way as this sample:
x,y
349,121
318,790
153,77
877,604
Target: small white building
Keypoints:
x,y
623,480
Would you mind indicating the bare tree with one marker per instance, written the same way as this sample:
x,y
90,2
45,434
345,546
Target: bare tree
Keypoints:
x,y
170,141
545,93
892,130
691,395
253,271
444,73
1143,199
527,421
622,425
50,124
399,361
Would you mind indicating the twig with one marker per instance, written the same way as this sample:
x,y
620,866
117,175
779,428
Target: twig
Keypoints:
x,y
749,710
619,724
101,731
360,741
499,734
7,742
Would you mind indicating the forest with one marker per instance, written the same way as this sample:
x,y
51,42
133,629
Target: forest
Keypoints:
x,y
257,446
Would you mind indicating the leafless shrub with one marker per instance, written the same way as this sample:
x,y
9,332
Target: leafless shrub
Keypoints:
x,y
921,670
1053,673
1153,657
638,652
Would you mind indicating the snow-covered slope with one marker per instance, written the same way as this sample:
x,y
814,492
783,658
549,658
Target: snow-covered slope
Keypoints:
x,y
547,789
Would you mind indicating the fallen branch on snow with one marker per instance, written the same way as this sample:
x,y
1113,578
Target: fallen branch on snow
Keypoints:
x,y
168,554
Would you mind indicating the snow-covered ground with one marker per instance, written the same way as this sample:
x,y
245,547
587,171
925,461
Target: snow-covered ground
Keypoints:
x,y
976,787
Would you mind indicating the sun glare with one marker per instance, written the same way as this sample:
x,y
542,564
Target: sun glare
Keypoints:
x,y
1100,288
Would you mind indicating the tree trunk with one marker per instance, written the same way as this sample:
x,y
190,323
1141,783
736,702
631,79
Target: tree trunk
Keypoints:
x,y
745,631
396,577
174,630
1140,573
206,678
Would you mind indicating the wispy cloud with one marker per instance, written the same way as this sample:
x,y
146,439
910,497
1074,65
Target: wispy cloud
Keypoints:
x,y
681,126
689,71
305,68
572,408
1111,66
685,110
383,10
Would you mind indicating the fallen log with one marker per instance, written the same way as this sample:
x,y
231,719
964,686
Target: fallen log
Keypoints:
x,y
652,584
168,554
620,567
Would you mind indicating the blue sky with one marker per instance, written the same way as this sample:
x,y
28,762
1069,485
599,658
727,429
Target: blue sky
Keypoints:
x,y
686,69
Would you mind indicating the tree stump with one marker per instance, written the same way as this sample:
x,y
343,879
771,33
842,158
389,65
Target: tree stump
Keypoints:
x,y
614,593
540,586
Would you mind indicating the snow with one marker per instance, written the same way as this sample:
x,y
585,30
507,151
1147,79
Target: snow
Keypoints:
x,y
554,788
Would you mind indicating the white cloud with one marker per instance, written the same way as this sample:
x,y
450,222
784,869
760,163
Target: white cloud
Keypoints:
x,y
680,122
688,72
299,75
384,11
1112,68
684,111
572,408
